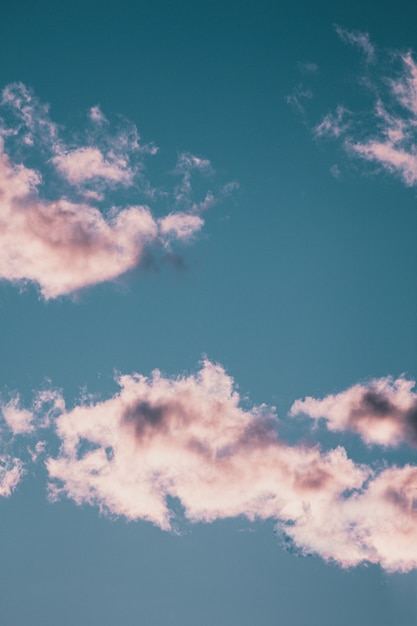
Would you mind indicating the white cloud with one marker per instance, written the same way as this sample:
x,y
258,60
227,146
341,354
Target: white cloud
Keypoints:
x,y
333,125
85,164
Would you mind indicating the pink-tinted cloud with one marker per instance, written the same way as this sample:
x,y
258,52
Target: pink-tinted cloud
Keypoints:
x,y
85,164
181,226
387,134
11,471
377,524
46,405
189,438
61,245
56,228
334,125
382,412
404,86
32,123
394,159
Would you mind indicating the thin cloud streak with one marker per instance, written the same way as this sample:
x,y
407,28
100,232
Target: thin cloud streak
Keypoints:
x,y
359,40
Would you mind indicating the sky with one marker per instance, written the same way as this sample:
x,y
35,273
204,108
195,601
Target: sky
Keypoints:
x,y
208,301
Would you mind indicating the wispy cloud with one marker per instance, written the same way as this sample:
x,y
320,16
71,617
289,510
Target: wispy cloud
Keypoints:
x,y
385,135
190,438
333,124
359,40
11,471
57,230
296,98
383,411
308,67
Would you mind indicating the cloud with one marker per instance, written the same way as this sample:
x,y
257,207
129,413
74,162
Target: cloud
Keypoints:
x,y
386,135
377,524
11,471
333,124
359,40
383,411
189,438
308,68
46,405
84,164
57,229
30,118
180,225
297,96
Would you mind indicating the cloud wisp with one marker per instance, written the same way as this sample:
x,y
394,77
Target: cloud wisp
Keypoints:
x,y
58,230
188,439
385,135
357,39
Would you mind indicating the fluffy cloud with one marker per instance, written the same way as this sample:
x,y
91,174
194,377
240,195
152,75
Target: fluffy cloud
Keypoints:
x,y
189,438
55,228
387,134
383,412
62,245
377,524
84,164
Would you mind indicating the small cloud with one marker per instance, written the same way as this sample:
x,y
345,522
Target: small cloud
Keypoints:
x,y
86,164
297,96
335,172
11,472
309,68
54,235
382,412
333,125
359,40
96,115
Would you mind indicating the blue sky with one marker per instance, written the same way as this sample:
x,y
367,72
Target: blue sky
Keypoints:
x,y
208,305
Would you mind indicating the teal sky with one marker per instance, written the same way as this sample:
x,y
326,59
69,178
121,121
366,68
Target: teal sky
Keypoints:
x,y
301,282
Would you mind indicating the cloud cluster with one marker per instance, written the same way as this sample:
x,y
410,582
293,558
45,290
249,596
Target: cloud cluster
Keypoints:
x,y
189,438
11,472
56,228
387,134
382,412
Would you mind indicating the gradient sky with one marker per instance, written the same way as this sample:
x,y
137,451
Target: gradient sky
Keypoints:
x,y
277,160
